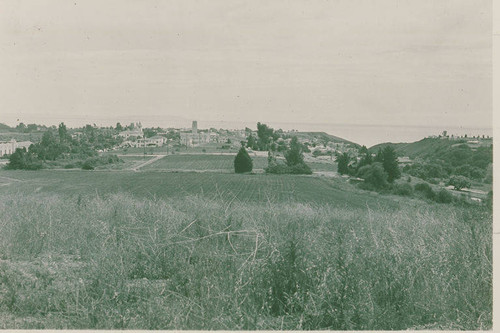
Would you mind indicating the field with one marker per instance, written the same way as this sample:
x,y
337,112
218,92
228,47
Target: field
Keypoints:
x,y
253,188
201,162
223,163
204,250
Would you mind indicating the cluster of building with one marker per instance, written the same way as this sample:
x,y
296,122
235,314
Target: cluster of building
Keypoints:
x,y
187,137
9,147
195,137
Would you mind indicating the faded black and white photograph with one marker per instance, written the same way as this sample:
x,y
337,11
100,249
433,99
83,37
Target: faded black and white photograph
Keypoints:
x,y
246,165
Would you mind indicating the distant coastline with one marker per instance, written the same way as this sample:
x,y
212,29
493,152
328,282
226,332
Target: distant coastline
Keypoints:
x,y
363,134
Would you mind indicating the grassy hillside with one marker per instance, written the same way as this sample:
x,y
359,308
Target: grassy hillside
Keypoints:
x,y
124,262
420,148
325,136
4,127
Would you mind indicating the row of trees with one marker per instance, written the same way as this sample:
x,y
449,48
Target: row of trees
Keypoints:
x,y
294,158
377,171
58,144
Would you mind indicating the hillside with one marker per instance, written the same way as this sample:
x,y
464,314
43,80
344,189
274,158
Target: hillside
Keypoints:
x,y
420,148
4,127
326,137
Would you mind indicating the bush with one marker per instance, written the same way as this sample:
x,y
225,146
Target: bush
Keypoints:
x,y
281,169
89,164
426,190
444,196
93,162
459,182
402,189
23,160
374,175
242,161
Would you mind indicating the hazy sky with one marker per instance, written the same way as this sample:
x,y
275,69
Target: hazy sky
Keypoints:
x,y
393,62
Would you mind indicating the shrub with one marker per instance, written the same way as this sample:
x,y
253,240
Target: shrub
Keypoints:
x,y
374,175
23,160
89,164
93,162
426,190
242,161
444,196
300,169
281,169
402,189
459,182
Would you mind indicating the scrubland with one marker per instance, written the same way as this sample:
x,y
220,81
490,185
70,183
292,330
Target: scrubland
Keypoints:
x,y
117,260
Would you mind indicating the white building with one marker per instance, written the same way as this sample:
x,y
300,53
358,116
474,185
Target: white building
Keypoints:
x,y
135,132
155,141
194,137
8,147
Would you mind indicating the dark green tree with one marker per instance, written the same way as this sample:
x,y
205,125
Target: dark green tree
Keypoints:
x,y
390,163
374,175
63,133
48,139
363,150
24,160
265,136
294,155
343,161
243,161
379,157
365,160
251,142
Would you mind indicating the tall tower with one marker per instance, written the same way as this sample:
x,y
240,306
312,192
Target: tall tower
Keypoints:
x,y
195,127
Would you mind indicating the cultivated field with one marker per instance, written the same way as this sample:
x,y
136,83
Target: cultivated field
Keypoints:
x,y
156,184
163,250
201,162
224,163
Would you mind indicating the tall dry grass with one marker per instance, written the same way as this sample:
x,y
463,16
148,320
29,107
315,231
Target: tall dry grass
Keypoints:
x,y
122,262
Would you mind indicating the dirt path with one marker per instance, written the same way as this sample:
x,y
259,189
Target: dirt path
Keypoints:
x,y
154,159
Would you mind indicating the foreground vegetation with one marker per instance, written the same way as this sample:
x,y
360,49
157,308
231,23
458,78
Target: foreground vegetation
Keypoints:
x,y
121,261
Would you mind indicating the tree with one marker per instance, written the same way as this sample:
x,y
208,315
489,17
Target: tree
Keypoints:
x,y
265,134
363,150
374,175
119,127
243,161
63,132
390,163
48,139
24,160
343,163
294,155
251,143
21,127
459,182
379,157
365,160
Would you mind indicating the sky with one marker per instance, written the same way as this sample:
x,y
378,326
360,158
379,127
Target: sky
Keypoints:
x,y
385,63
